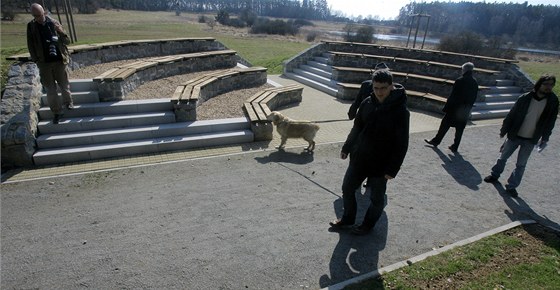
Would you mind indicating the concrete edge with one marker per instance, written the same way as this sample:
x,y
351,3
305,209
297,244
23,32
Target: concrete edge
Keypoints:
x,y
401,264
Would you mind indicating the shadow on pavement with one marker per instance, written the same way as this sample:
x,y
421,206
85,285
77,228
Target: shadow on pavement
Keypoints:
x,y
355,255
521,210
460,169
287,157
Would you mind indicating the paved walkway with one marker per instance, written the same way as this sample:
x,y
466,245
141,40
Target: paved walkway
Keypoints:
x,y
252,217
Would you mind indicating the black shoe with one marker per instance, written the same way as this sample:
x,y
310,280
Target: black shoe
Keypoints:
x,y
490,179
69,106
361,230
512,192
453,149
56,118
431,142
339,224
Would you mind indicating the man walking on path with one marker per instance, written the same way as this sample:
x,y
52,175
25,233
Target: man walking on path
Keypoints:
x,y
528,123
377,145
46,42
458,107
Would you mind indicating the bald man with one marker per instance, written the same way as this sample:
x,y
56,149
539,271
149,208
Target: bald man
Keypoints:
x,y
46,42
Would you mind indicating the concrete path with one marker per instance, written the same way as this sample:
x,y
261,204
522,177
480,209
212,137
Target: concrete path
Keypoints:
x,y
257,218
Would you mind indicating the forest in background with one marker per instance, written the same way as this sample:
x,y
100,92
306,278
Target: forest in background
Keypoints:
x,y
514,24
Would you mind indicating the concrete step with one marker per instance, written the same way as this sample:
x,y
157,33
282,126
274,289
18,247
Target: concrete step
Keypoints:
x,y
107,150
321,59
503,90
505,83
88,123
329,89
488,114
313,76
317,71
74,139
501,97
111,108
493,105
78,97
82,85
321,66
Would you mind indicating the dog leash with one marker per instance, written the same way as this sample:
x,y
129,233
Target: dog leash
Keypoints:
x,y
330,121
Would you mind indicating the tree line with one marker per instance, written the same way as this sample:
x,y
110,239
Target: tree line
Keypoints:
x,y
522,24
518,24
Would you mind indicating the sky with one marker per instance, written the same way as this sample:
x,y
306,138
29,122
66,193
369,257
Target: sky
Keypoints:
x,y
389,9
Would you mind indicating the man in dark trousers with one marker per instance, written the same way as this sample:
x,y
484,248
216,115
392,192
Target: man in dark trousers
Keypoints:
x,y
377,145
458,107
46,42
529,122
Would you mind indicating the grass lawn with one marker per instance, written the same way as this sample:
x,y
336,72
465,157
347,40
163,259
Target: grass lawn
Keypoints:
x,y
526,257
113,25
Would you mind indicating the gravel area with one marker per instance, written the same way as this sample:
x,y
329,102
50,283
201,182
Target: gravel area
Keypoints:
x,y
227,105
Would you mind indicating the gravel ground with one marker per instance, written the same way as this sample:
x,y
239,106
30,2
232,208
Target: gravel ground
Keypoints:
x,y
227,105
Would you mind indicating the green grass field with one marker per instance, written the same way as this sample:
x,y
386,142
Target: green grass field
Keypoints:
x,y
113,25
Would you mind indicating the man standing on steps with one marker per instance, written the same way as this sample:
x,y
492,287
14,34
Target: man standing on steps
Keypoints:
x,y
458,107
46,42
528,123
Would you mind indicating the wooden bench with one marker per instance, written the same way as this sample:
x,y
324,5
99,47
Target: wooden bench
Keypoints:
x,y
393,59
418,50
108,45
416,99
259,106
126,70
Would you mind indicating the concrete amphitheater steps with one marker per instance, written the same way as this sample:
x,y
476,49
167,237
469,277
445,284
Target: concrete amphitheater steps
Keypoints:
x,y
143,146
94,130
316,73
83,91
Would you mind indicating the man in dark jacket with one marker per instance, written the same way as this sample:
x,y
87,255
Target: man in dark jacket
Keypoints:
x,y
458,107
377,145
46,42
528,123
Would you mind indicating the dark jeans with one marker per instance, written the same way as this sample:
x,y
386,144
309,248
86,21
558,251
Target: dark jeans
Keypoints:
x,y
353,180
446,123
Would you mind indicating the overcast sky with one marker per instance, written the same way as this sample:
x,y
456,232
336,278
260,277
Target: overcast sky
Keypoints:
x,y
389,9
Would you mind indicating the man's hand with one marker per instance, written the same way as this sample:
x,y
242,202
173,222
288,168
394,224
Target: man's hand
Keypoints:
x,y
58,27
388,177
343,155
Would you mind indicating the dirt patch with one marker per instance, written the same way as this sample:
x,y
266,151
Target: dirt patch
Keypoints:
x,y
227,105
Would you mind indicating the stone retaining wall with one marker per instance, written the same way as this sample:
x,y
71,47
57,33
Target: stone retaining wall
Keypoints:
x,y
20,103
117,90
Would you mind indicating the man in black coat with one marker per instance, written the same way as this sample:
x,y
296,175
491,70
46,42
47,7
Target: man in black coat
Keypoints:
x,y
377,145
458,107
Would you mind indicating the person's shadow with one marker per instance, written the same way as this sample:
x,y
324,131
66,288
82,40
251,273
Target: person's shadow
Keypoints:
x,y
356,255
461,170
281,155
520,210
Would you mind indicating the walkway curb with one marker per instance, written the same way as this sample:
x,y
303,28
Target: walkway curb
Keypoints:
x,y
416,259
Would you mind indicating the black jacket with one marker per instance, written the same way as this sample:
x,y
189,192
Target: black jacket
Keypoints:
x,y
365,91
514,119
459,103
378,141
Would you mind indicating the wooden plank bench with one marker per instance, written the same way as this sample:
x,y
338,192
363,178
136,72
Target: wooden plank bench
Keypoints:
x,y
411,60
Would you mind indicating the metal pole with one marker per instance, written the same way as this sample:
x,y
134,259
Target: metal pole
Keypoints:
x,y
416,33
72,20
426,31
68,21
57,11
410,30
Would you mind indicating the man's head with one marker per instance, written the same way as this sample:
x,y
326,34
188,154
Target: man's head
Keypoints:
x,y
467,66
38,13
545,84
382,84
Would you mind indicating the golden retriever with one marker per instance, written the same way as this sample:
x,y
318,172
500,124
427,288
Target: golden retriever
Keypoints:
x,y
288,128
